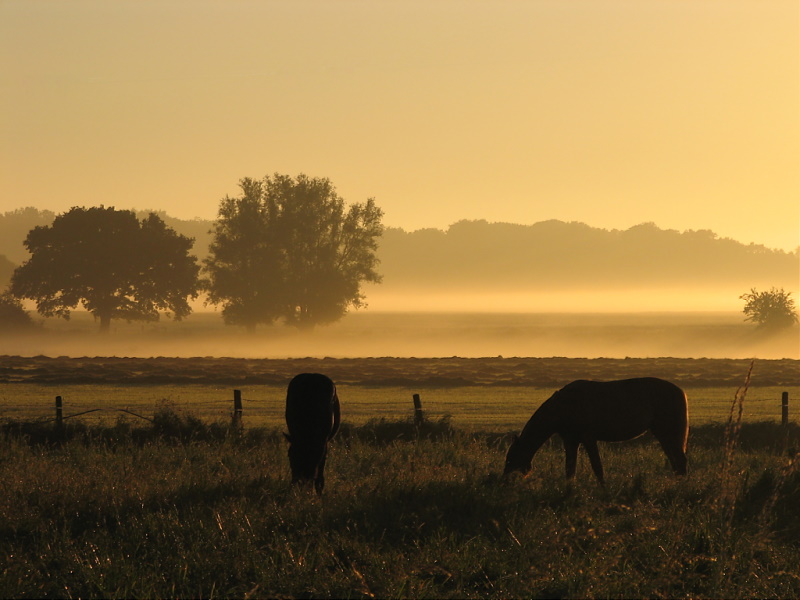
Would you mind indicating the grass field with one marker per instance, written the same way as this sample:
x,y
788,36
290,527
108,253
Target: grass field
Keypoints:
x,y
484,393
181,508
186,505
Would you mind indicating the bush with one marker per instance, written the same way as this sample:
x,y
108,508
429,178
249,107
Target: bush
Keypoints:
x,y
773,309
12,314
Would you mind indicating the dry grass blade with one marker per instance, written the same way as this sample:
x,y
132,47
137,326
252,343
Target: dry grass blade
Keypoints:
x,y
728,478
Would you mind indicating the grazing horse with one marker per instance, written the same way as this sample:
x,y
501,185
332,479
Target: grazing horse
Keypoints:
x,y
585,412
312,416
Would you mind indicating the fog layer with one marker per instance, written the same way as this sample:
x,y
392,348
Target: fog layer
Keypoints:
x,y
369,333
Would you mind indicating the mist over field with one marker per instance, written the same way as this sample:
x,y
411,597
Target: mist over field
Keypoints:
x,y
479,289
376,334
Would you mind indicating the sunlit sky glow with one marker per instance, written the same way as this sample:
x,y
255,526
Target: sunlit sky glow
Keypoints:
x,y
686,114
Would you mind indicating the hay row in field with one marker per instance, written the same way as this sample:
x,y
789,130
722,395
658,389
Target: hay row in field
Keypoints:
x,y
388,371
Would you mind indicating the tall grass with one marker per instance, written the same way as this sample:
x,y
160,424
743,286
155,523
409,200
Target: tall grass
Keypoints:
x,y
188,508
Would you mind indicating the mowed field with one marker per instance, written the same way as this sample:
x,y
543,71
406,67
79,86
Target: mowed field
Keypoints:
x,y
495,394
112,505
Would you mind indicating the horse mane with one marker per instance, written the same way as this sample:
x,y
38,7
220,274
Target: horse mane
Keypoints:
x,y
545,414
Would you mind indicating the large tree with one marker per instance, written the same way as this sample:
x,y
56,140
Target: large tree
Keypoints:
x,y
288,248
245,265
115,265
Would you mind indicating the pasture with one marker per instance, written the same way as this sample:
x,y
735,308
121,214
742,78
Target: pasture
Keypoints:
x,y
115,506
496,394
498,408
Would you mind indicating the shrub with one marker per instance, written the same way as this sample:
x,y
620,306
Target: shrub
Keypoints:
x,y
773,309
12,313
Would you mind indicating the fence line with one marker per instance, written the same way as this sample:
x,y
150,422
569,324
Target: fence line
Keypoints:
x,y
237,413
125,410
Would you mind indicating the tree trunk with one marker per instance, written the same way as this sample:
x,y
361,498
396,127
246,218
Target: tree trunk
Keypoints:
x,y
105,323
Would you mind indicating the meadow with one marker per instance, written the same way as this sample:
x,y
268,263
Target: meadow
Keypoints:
x,y
496,393
182,508
111,505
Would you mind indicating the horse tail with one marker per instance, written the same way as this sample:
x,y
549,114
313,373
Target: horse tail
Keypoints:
x,y
337,414
685,421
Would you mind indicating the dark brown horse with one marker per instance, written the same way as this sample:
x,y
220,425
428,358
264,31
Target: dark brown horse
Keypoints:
x,y
313,417
585,412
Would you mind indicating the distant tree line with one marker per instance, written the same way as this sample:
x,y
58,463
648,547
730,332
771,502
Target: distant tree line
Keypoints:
x,y
563,256
285,248
546,255
469,255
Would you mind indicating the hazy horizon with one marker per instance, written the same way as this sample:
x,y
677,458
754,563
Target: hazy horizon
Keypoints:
x,y
612,112
550,267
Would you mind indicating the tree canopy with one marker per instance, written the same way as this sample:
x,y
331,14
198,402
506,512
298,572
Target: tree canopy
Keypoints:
x,y
114,265
288,248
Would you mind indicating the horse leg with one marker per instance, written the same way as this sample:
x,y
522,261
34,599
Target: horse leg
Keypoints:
x,y
679,462
677,458
319,480
594,459
571,450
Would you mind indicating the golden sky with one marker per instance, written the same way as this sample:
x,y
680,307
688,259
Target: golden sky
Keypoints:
x,y
683,113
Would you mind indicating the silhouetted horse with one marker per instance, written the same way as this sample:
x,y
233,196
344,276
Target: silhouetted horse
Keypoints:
x,y
585,412
312,416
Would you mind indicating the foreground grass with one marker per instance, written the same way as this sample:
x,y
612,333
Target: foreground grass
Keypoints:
x,y
188,509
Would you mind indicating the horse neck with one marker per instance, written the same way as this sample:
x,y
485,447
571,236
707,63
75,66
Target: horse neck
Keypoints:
x,y
539,428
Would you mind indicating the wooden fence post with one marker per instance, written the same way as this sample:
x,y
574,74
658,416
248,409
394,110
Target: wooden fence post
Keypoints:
x,y
785,408
59,412
237,407
419,416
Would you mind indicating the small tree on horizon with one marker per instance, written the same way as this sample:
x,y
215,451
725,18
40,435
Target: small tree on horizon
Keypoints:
x,y
114,265
774,309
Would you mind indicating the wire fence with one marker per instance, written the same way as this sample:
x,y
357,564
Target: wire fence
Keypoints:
x,y
49,412
266,407
235,408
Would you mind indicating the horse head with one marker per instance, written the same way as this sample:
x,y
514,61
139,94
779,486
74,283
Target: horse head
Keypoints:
x,y
305,459
518,458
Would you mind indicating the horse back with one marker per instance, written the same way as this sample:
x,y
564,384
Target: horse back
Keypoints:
x,y
620,410
312,408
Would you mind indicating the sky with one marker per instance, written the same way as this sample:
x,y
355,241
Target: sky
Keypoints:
x,y
608,112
